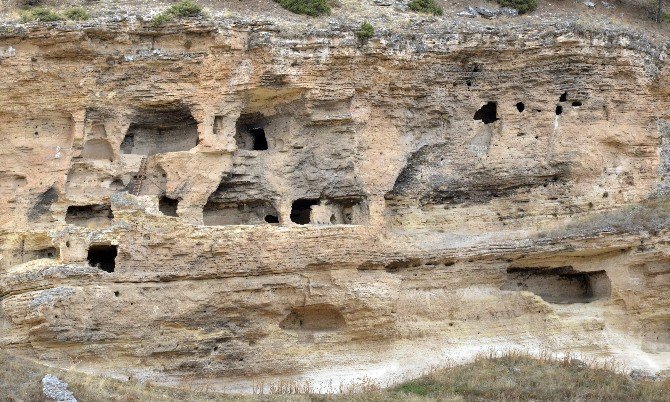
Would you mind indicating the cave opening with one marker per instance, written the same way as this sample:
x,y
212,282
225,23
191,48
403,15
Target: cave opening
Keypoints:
x,y
271,218
562,285
168,206
559,110
315,317
102,256
564,97
576,104
301,210
250,132
248,212
160,130
90,216
520,107
349,210
50,252
97,149
260,141
487,113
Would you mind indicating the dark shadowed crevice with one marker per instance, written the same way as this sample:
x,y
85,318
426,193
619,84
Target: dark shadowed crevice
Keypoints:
x,y
102,256
271,219
301,210
250,132
168,206
89,215
487,113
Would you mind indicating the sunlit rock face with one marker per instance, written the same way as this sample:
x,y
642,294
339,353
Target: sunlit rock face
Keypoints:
x,y
230,205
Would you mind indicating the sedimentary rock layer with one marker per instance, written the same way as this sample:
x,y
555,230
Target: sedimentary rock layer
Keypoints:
x,y
229,204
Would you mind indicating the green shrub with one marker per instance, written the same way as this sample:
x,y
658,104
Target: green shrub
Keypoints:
x,y
77,14
421,386
522,6
425,6
161,19
185,8
41,14
307,7
365,32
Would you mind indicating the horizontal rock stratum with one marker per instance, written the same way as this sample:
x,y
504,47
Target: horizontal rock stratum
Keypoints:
x,y
226,204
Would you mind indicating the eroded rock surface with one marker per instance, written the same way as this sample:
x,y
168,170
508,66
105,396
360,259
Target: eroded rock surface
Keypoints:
x,y
229,204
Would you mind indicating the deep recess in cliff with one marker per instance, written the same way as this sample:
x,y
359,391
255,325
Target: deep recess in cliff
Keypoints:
x,y
225,203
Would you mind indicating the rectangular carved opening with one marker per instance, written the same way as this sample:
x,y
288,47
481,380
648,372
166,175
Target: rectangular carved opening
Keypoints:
x,y
168,206
301,210
560,285
161,130
330,211
250,132
102,256
90,216
252,212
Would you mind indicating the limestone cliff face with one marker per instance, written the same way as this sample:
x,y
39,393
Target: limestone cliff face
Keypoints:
x,y
229,204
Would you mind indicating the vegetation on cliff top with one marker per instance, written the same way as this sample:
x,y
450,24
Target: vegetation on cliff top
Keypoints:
x,y
425,6
313,8
183,9
77,14
40,14
522,6
43,14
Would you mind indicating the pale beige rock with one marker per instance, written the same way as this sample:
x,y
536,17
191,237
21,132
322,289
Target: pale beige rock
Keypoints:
x,y
424,244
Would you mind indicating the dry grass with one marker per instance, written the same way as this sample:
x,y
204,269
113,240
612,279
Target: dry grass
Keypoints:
x,y
516,377
519,377
21,380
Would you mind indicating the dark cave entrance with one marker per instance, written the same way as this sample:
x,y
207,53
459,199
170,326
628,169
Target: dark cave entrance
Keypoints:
x,y
102,256
487,113
168,206
250,132
271,219
301,210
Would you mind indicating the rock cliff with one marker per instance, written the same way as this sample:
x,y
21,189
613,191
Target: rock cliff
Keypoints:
x,y
226,204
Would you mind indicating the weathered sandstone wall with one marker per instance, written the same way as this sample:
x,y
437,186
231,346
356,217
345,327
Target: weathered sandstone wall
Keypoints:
x,y
229,204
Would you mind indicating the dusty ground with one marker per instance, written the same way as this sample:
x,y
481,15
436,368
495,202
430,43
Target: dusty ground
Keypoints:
x,y
512,377
631,13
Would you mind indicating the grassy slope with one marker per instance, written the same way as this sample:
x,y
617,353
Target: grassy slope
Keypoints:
x,y
524,378
21,380
506,378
